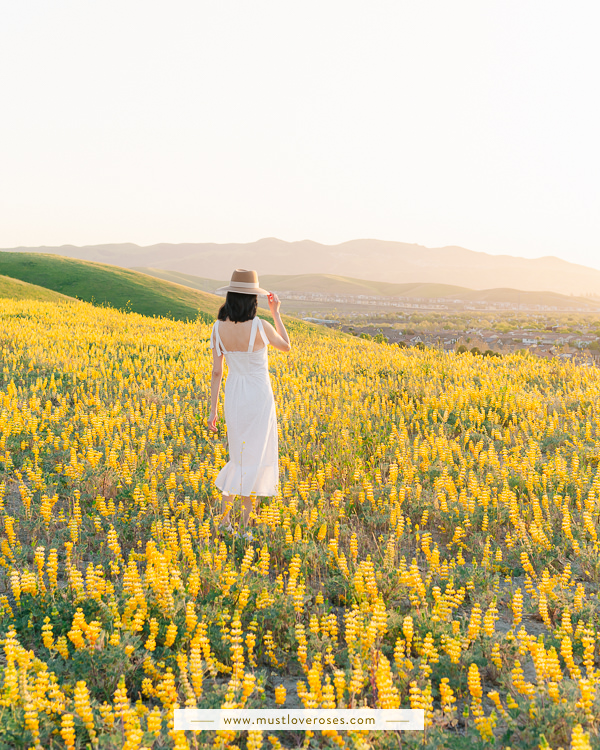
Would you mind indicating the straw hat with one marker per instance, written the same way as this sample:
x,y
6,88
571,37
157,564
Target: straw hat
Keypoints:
x,y
243,282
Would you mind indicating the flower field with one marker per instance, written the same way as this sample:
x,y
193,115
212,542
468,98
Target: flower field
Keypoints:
x,y
435,544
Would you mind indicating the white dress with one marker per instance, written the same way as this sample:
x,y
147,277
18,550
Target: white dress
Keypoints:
x,y
253,466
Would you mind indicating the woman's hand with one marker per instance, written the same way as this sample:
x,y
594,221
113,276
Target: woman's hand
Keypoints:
x,y
212,422
274,303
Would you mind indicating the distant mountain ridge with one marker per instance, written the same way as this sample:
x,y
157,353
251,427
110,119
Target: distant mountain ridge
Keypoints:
x,y
327,284
377,260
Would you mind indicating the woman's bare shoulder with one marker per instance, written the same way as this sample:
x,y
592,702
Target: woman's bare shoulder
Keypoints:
x,y
268,327
275,338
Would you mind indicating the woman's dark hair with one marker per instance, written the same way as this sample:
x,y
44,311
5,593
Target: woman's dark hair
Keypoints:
x,y
238,307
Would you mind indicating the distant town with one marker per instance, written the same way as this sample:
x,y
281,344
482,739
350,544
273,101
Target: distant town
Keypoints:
x,y
432,303
579,346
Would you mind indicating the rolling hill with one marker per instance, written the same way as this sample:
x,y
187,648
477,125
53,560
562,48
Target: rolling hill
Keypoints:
x,y
185,279
17,289
379,260
328,284
103,284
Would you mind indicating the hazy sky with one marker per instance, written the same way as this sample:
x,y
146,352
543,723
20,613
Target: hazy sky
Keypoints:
x,y
437,122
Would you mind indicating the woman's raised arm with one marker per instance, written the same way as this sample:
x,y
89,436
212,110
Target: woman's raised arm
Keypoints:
x,y
278,336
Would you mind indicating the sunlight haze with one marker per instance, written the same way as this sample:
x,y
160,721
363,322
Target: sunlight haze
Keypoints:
x,y
472,124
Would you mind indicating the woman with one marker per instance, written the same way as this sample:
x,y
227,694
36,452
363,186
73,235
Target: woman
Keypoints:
x,y
242,337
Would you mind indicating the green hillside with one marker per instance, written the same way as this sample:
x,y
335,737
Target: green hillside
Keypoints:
x,y
344,285
109,285
194,282
17,289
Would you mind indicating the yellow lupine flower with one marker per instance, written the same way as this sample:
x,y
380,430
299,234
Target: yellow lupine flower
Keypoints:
x,y
580,740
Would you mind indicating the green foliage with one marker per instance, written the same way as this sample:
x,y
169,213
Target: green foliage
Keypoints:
x,y
110,286
17,289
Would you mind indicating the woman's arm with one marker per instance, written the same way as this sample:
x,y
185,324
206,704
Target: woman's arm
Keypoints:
x,y
215,385
278,336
